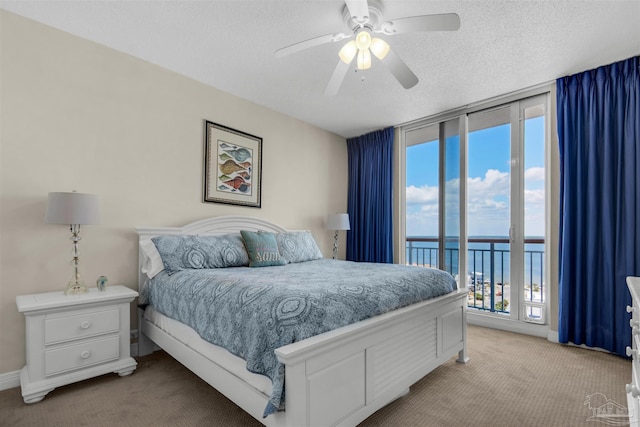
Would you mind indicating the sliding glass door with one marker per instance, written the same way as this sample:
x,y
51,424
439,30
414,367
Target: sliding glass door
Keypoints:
x,y
475,205
490,208
433,158
506,222
533,133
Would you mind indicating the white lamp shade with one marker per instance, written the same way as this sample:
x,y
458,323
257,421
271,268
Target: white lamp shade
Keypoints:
x,y
363,61
348,52
73,208
338,222
380,48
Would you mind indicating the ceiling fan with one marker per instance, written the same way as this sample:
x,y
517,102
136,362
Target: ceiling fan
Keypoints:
x,y
364,20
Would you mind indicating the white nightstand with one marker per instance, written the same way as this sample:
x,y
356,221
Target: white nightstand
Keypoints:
x,y
74,337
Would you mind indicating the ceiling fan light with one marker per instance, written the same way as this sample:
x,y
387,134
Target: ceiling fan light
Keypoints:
x,y
379,47
348,52
364,59
363,40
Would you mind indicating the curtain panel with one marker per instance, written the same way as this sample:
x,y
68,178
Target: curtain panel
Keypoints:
x,y
370,197
598,115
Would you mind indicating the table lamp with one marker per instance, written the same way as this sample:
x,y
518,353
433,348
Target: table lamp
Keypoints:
x,y
337,222
73,209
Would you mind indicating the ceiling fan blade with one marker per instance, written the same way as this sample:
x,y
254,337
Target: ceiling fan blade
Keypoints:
x,y
399,69
442,22
359,10
316,41
336,79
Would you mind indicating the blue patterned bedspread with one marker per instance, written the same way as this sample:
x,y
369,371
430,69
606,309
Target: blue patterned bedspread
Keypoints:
x,y
252,311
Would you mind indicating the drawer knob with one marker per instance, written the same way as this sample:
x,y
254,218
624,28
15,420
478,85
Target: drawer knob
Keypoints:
x,y
630,309
85,354
631,352
85,324
630,388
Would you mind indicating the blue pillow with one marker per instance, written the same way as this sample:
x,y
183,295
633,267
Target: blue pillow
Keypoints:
x,y
262,248
298,246
195,252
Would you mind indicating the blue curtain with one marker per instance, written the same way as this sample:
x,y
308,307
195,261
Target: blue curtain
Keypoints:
x,y
599,136
370,198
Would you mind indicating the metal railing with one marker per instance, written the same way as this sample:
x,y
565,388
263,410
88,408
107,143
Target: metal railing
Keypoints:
x,y
488,269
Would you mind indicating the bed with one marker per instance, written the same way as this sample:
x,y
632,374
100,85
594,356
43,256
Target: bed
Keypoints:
x,y
337,377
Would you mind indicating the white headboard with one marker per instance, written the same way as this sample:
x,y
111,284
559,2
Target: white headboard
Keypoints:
x,y
208,226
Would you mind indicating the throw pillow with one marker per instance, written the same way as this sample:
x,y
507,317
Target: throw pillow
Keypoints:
x,y
262,249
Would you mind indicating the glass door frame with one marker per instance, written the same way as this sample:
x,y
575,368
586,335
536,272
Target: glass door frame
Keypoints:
x,y
545,90
523,105
516,229
404,139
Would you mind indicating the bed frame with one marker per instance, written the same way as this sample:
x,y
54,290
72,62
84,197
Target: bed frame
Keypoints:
x,y
337,378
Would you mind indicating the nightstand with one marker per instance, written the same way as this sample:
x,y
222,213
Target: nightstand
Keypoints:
x,y
74,337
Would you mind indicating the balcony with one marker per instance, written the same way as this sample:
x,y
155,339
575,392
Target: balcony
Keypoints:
x,y
488,266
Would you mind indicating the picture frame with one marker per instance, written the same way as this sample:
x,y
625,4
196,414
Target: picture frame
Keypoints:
x,y
232,166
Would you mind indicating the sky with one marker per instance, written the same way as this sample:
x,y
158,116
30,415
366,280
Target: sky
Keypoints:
x,y
488,184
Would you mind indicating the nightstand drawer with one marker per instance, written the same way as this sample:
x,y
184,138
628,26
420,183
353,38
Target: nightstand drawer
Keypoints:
x,y
81,355
81,324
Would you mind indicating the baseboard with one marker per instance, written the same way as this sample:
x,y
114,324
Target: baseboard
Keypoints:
x,y
554,337
9,380
492,322
12,379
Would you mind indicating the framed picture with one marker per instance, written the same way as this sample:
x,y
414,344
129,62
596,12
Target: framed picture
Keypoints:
x,y
232,166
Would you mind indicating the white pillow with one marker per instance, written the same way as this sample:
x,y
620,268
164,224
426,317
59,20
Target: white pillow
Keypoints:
x,y
151,260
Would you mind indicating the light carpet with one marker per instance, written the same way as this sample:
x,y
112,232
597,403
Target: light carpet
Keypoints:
x,y
510,380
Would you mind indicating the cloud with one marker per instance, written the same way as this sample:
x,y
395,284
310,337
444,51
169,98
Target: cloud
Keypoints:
x,y
421,195
534,197
488,201
494,183
534,174
487,204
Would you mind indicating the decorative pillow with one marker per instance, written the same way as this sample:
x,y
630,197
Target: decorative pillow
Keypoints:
x,y
151,260
298,246
195,252
262,248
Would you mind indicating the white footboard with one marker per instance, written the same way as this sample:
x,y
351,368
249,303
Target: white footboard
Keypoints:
x,y
342,377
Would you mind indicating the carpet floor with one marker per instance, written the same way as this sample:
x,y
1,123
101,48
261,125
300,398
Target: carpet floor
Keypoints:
x,y
510,380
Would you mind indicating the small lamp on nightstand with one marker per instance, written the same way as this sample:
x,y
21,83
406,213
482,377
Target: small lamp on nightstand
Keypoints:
x,y
73,209
337,222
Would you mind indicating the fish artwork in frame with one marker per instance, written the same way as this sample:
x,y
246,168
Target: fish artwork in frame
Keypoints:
x,y
232,166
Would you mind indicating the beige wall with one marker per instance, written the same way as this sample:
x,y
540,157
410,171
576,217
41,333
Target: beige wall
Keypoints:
x,y
77,115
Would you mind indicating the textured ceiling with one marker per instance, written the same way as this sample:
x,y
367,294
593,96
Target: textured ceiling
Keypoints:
x,y
502,46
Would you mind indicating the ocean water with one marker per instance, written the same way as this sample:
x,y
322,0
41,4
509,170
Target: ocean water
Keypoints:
x,y
479,258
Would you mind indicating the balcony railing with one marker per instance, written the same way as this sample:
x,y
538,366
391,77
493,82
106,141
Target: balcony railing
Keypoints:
x,y
488,266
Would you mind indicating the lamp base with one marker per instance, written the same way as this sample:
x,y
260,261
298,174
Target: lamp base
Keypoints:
x,y
76,284
76,288
335,245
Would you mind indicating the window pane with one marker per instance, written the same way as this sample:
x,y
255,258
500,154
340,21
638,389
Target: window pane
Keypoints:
x,y
452,196
422,168
489,209
534,219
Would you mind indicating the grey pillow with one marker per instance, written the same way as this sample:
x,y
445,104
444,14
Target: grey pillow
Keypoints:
x,y
195,252
298,246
